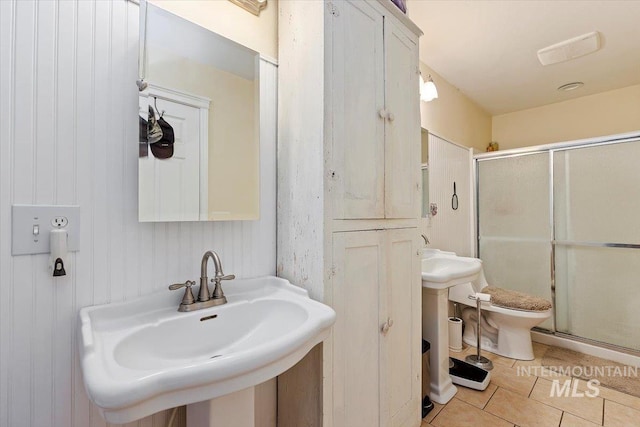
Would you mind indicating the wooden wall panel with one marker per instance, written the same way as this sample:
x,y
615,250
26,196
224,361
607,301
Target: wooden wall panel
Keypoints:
x,y
450,230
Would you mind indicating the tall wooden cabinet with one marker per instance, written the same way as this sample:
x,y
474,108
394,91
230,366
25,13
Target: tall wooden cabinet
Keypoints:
x,y
373,112
348,206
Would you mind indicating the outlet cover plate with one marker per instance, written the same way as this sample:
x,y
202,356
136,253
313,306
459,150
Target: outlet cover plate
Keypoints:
x,y
25,217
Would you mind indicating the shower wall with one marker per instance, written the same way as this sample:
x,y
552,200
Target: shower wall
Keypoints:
x,y
563,223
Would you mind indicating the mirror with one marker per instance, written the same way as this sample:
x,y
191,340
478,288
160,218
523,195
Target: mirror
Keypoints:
x,y
425,191
424,135
200,108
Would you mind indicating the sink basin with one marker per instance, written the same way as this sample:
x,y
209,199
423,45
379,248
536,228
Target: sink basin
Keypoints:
x,y
142,356
442,270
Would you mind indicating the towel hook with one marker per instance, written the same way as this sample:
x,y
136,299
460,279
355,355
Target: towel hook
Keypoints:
x,y
155,104
454,198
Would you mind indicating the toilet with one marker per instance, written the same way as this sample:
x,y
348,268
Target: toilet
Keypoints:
x,y
506,321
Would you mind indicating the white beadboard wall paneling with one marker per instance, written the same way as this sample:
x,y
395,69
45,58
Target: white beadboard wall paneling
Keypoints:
x,y
68,103
450,229
7,133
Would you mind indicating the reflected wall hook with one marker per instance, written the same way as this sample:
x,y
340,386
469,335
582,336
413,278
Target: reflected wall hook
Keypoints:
x,y
155,104
454,198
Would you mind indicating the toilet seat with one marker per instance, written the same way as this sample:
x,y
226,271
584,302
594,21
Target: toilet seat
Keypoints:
x,y
515,300
510,331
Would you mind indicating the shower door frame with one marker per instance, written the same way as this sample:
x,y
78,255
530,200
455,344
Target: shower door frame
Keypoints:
x,y
551,149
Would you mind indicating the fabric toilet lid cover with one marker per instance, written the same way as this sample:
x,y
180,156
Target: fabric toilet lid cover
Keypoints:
x,y
516,300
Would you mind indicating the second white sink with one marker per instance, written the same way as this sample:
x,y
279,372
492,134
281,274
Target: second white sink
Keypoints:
x,y
444,269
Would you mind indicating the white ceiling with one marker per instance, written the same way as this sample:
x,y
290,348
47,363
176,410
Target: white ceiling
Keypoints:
x,y
488,49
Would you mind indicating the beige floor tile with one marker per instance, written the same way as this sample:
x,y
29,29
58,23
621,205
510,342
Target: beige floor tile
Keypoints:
x,y
476,398
510,378
460,414
461,354
539,371
538,352
426,424
588,408
496,359
457,354
435,411
519,410
616,396
551,374
617,415
569,420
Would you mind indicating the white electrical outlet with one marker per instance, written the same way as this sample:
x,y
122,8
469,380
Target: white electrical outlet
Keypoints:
x,y
60,221
32,225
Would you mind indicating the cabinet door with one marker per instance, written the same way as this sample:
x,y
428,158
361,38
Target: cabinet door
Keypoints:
x,y
356,93
400,346
359,265
402,132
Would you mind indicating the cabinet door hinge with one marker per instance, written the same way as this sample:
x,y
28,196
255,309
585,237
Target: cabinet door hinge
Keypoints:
x,y
333,9
332,272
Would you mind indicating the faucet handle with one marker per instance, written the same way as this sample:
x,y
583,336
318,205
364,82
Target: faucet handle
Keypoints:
x,y
186,284
217,290
188,295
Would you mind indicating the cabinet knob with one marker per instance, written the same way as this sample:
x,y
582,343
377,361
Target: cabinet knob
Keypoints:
x,y
388,324
391,117
382,113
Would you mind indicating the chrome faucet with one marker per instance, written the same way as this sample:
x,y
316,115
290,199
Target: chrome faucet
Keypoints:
x,y
205,299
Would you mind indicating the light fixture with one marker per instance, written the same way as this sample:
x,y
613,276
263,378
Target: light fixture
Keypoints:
x,y
570,86
428,91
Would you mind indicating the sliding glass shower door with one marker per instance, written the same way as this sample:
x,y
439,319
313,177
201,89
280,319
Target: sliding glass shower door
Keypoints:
x,y
597,225
564,223
514,229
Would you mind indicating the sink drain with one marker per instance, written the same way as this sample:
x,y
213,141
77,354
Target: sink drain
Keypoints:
x,y
213,357
213,316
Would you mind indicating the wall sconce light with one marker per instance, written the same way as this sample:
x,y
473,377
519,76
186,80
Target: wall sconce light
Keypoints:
x,y
428,91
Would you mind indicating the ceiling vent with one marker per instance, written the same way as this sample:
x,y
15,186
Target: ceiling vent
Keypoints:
x,y
570,49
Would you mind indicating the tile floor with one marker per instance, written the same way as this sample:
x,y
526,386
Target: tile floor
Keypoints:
x,y
515,398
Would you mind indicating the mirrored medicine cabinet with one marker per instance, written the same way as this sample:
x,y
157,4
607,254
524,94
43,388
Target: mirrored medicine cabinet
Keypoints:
x,y
199,123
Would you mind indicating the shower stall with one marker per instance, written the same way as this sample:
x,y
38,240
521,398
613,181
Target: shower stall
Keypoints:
x,y
562,221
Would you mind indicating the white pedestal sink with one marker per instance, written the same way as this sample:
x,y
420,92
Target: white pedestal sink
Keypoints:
x,y
143,356
440,271
231,410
